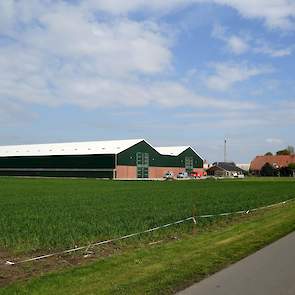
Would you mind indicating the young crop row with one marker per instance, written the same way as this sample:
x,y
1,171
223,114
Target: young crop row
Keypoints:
x,y
49,214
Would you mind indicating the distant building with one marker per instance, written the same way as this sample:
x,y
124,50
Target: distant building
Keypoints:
x,y
206,165
245,167
277,161
225,169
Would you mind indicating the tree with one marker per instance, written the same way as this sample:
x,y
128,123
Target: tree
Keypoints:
x,y
269,170
287,151
283,152
290,148
269,154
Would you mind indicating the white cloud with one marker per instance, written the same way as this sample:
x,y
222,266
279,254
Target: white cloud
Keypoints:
x,y
116,47
274,141
264,48
240,44
126,6
234,43
227,74
237,45
276,13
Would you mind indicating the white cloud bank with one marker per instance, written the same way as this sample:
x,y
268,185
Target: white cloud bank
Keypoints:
x,y
58,53
275,13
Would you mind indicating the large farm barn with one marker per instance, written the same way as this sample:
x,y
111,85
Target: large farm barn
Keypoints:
x,y
98,159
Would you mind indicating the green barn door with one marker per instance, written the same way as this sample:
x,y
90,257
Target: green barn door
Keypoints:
x,y
189,164
142,163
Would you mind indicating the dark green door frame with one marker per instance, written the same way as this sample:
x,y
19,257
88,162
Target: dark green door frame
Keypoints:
x,y
142,164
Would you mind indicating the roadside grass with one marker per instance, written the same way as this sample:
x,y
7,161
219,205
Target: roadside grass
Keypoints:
x,y
45,215
166,268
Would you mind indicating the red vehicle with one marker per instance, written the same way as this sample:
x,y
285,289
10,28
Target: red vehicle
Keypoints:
x,y
198,174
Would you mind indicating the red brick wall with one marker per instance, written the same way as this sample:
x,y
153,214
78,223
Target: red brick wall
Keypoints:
x,y
126,172
130,172
158,172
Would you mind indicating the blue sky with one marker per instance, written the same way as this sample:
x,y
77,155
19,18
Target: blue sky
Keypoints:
x,y
178,72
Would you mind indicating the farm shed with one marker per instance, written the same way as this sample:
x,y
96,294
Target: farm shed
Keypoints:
x,y
120,159
225,169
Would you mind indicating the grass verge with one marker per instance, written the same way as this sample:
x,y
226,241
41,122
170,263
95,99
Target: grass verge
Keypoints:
x,y
164,269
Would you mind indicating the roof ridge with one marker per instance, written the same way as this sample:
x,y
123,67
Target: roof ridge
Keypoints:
x,y
72,142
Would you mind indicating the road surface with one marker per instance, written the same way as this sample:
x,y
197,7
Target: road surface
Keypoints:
x,y
270,271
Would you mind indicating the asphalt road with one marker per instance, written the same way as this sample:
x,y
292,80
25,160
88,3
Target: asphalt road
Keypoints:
x,y
270,271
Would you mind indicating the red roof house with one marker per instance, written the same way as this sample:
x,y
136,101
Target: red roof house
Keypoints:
x,y
276,161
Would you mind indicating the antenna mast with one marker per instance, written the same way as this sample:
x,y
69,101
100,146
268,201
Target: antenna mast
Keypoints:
x,y
225,155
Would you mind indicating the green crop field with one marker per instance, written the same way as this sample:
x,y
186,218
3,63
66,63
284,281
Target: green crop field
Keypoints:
x,y
47,214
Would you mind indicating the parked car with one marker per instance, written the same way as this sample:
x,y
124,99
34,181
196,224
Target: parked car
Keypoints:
x,y
237,175
168,175
182,175
194,174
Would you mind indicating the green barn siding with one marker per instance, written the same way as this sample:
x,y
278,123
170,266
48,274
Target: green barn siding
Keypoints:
x,y
198,162
70,162
128,157
64,173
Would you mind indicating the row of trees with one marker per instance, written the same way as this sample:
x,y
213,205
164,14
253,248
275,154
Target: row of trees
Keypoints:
x,y
270,170
287,151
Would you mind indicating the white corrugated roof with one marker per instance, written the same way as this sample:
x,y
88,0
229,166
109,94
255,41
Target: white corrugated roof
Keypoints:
x,y
174,150
72,148
171,150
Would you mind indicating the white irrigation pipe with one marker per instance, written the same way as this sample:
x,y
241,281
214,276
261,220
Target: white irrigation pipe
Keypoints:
x,y
193,218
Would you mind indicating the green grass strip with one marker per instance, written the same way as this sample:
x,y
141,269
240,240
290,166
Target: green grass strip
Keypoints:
x,y
164,269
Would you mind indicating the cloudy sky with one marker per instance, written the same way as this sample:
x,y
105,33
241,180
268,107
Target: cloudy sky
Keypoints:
x,y
171,71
